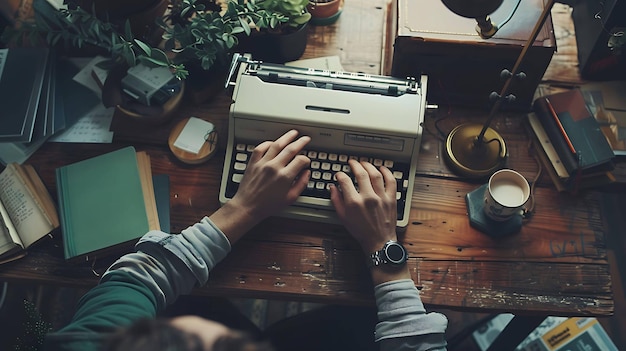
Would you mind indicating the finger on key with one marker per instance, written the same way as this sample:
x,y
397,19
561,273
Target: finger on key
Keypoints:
x,y
361,176
291,151
347,186
295,165
376,178
259,151
279,144
391,185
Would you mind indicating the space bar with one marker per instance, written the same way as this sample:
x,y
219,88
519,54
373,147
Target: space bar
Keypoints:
x,y
314,202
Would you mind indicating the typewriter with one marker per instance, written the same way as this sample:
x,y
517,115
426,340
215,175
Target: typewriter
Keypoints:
x,y
347,115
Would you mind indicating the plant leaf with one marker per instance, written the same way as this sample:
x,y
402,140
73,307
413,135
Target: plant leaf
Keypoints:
x,y
144,47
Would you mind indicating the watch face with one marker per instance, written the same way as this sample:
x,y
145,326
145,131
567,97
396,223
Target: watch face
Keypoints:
x,y
395,253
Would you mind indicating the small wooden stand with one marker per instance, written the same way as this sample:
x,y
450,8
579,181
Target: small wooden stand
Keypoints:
x,y
205,153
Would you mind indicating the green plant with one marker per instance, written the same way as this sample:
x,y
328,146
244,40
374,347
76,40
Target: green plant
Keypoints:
x,y
194,31
75,27
203,31
295,12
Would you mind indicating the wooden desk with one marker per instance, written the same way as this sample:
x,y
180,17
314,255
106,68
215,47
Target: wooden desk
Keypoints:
x,y
556,265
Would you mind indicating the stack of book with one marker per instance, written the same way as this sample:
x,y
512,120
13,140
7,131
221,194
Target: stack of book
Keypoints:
x,y
27,100
569,142
39,99
107,202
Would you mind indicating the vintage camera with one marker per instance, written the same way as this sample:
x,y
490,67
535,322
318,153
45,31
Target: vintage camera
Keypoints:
x,y
151,86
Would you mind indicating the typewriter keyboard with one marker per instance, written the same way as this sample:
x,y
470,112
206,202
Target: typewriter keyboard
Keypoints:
x,y
324,165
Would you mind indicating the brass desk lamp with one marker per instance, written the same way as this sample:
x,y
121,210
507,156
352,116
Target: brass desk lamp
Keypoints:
x,y
476,150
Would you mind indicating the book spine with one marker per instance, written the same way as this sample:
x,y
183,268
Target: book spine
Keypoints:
x,y
542,157
556,134
536,129
68,242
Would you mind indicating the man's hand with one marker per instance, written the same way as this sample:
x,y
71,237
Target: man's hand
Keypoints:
x,y
370,213
275,176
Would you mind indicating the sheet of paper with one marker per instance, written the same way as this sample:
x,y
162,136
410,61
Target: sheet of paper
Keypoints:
x,y
84,76
92,128
330,63
193,135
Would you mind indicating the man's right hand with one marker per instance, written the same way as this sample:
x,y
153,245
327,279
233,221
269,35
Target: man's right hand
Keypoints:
x,y
370,212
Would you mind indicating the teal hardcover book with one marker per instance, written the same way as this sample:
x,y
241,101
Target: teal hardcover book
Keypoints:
x,y
105,204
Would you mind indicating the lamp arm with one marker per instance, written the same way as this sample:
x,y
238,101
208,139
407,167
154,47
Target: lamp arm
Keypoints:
x,y
516,67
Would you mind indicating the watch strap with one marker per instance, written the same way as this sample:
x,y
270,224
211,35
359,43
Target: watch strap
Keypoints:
x,y
378,258
375,259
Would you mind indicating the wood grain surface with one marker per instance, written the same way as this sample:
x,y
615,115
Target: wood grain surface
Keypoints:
x,y
556,264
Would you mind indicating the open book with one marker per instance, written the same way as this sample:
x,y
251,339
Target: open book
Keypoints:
x,y
27,211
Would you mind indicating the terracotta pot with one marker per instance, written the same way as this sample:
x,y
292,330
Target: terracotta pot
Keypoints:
x,y
323,9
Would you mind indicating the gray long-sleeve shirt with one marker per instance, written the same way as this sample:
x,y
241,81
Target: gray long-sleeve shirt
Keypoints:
x,y
142,284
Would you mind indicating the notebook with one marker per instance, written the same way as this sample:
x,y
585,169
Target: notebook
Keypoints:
x,y
106,203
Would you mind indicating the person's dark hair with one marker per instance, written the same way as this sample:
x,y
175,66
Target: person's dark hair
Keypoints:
x,y
160,334
239,341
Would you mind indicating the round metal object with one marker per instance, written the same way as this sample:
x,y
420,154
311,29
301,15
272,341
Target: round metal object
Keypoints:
x,y
470,158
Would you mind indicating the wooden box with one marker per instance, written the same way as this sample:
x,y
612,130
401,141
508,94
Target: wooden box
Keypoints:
x,y
462,67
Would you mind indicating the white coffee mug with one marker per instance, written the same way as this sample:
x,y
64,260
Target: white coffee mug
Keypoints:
x,y
506,195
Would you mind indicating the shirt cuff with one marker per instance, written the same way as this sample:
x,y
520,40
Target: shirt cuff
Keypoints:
x,y
401,312
200,247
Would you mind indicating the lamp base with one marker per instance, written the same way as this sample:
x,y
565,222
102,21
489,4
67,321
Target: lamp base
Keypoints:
x,y
474,159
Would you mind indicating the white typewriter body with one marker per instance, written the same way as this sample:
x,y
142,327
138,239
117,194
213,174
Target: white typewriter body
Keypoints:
x,y
343,113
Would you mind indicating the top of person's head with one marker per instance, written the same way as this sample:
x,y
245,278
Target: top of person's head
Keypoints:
x,y
159,334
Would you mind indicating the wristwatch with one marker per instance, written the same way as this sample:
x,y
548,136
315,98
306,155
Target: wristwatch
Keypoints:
x,y
392,253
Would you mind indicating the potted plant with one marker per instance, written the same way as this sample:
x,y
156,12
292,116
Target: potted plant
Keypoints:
x,y
198,35
324,12
205,32
201,35
200,32
74,29
280,29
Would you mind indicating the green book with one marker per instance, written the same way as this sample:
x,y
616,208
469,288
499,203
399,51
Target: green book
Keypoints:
x,y
106,203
